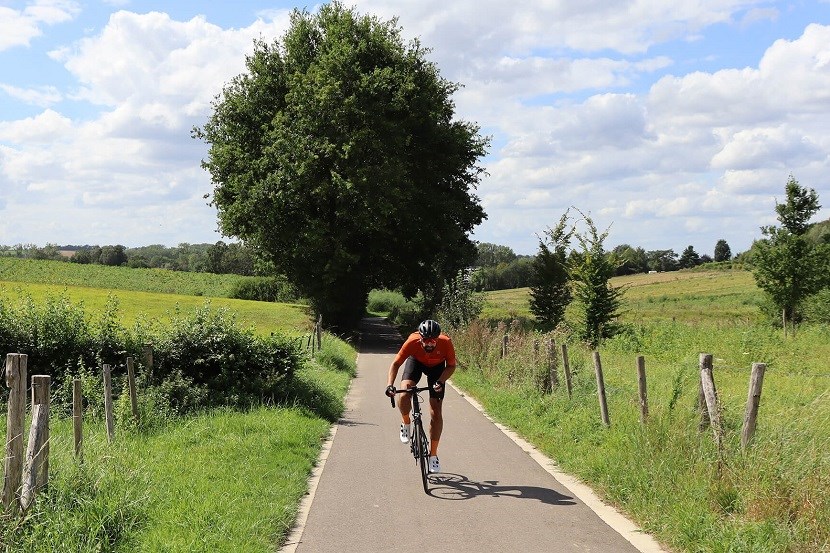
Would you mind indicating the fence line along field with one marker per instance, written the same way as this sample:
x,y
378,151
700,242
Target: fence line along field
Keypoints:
x,y
152,476
741,492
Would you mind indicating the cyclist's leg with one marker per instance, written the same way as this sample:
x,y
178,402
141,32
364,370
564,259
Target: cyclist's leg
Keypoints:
x,y
410,377
436,414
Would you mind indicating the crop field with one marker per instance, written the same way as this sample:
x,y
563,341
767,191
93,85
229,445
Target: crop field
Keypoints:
x,y
149,294
161,281
689,296
162,484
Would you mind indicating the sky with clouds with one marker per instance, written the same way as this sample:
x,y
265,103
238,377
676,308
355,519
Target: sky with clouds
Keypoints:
x,y
670,123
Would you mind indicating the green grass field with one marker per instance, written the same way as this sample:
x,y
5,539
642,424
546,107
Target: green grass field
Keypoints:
x,y
263,317
206,482
219,481
668,475
61,273
688,296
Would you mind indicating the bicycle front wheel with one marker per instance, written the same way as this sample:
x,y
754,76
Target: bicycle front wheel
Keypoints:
x,y
422,447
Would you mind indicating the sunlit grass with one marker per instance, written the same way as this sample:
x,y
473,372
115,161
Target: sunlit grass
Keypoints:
x,y
161,281
691,296
264,317
668,475
220,481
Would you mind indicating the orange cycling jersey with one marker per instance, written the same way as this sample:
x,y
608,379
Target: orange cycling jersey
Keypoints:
x,y
444,351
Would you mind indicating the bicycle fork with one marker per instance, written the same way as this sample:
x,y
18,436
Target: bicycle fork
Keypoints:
x,y
418,434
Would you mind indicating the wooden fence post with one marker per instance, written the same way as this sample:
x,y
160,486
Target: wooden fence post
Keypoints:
x,y
642,388
78,418
711,395
504,346
108,414
36,472
603,403
16,381
705,422
131,385
566,367
554,373
756,383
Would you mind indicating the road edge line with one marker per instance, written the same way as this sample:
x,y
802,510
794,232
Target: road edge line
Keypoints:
x,y
294,537
644,542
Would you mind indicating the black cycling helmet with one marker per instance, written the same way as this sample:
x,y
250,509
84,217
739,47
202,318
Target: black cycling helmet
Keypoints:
x,y
429,329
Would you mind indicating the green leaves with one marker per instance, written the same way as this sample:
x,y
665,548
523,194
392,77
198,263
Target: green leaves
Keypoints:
x,y
788,266
599,302
801,205
550,293
336,154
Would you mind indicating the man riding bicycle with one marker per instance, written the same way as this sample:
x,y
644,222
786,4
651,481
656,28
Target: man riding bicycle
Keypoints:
x,y
429,352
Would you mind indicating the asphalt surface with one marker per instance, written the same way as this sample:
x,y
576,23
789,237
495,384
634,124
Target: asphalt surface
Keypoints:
x,y
491,495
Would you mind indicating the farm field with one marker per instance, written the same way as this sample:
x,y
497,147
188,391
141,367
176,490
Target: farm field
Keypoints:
x,y
685,296
263,317
61,273
151,294
668,474
163,485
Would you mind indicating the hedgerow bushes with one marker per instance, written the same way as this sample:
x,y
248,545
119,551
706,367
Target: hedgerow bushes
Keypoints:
x,y
202,359
275,289
221,364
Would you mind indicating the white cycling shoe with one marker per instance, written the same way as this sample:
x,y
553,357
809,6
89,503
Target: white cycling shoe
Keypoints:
x,y
404,433
434,464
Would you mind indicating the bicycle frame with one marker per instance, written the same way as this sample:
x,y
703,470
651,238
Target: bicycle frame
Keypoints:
x,y
418,442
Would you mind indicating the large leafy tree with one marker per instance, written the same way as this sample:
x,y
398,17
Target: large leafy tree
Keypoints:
x,y
337,156
550,291
788,266
492,255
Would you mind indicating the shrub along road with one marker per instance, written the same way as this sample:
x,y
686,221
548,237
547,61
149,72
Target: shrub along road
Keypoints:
x,y
492,495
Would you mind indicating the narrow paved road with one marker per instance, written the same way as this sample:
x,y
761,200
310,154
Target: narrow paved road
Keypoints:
x,y
492,496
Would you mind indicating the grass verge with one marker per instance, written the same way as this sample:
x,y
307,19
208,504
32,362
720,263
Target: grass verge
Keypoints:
x,y
668,475
220,481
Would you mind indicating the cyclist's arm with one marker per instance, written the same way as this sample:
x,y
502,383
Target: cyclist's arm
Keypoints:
x,y
393,372
447,373
451,362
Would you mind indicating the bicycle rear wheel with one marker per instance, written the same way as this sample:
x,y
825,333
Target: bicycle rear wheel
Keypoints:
x,y
422,447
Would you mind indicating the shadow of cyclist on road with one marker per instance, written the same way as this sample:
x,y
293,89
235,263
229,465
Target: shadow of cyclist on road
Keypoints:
x,y
456,487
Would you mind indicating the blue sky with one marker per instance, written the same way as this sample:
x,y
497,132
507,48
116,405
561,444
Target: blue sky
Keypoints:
x,y
674,124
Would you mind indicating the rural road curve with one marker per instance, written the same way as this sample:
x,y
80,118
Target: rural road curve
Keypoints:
x,y
492,496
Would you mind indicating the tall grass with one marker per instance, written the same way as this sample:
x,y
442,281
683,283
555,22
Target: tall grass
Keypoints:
x,y
219,481
216,480
668,475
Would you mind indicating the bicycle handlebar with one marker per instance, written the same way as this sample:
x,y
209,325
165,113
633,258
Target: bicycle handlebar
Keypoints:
x,y
413,390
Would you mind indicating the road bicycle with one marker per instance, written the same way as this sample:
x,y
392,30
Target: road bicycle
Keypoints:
x,y
418,442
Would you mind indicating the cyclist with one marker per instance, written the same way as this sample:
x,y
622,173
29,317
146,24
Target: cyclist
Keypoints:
x,y
429,352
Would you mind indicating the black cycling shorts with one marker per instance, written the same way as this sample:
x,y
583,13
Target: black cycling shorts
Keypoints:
x,y
413,369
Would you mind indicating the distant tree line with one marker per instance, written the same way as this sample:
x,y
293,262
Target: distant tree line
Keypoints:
x,y
219,258
496,267
499,268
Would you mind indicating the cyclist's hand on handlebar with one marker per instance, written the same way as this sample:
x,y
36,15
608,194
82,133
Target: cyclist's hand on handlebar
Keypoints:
x,y
390,391
438,386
